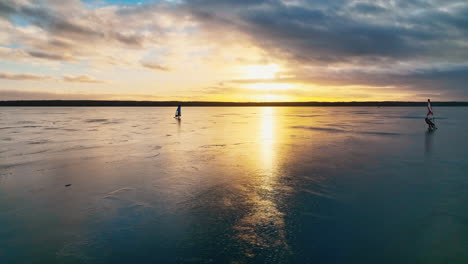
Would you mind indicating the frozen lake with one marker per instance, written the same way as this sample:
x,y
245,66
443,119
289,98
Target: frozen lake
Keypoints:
x,y
233,185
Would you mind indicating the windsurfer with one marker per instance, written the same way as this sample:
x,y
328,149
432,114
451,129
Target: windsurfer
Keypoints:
x,y
178,112
428,120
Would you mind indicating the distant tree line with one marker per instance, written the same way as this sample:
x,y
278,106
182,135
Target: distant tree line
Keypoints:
x,y
102,103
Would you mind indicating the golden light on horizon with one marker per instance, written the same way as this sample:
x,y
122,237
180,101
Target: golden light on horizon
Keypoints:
x,y
270,86
267,91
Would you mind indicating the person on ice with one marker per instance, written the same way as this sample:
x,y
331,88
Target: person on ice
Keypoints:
x,y
178,112
429,122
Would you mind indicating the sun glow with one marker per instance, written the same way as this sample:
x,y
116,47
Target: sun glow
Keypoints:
x,y
270,86
272,98
260,71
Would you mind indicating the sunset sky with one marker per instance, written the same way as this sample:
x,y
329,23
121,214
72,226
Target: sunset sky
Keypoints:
x,y
234,50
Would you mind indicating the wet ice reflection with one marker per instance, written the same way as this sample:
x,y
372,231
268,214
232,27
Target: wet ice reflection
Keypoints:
x,y
227,185
263,224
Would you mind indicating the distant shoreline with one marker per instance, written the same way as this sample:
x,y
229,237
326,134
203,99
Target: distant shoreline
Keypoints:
x,y
103,103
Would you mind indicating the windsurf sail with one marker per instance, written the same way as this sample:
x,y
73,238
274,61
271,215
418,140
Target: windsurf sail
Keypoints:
x,y
178,112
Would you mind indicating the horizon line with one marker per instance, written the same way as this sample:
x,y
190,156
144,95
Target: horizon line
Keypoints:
x,y
137,103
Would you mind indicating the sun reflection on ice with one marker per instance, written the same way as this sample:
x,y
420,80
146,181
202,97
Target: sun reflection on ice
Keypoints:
x,y
267,139
263,226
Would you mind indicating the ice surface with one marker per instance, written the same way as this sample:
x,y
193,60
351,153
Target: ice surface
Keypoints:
x,y
233,185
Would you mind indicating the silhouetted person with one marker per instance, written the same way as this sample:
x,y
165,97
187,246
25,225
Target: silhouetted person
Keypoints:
x,y
178,112
429,122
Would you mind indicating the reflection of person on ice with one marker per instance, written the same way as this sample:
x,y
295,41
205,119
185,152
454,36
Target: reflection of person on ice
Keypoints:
x,y
428,120
430,123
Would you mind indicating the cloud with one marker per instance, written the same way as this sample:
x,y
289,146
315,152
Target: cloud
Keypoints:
x,y
49,56
43,95
419,46
69,31
154,66
367,8
355,42
23,77
338,33
14,94
34,77
6,8
81,79
303,31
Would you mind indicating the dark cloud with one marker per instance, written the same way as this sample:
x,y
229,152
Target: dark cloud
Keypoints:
x,y
333,33
367,8
62,27
133,39
314,34
227,3
442,23
154,66
57,43
6,8
49,56
58,24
